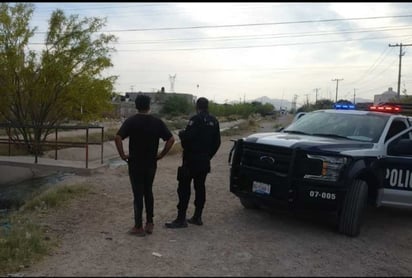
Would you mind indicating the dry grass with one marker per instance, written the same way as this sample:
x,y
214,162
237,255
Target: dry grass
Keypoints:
x,y
55,197
22,240
249,125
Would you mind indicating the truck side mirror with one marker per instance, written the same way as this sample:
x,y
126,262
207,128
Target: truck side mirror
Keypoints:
x,y
400,147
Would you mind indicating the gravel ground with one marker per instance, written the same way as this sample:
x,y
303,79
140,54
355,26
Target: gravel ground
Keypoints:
x,y
233,241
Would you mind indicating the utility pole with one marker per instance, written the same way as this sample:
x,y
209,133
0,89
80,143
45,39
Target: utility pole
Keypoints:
x,y
316,98
354,95
281,102
337,82
294,103
307,99
172,79
400,64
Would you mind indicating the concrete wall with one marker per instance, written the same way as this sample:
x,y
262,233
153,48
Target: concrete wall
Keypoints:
x,y
14,174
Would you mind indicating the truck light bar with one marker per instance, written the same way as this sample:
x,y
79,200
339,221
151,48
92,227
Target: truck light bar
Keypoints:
x,y
385,108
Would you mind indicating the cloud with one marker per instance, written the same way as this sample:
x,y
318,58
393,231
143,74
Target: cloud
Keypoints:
x,y
295,54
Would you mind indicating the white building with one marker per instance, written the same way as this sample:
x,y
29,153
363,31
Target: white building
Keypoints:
x,y
389,96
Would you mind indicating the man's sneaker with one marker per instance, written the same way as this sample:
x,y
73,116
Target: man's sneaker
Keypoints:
x,y
149,228
137,231
176,224
196,221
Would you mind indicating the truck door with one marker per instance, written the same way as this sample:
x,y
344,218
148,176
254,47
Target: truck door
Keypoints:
x,y
396,171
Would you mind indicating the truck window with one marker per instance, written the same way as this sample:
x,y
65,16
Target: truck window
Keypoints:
x,y
359,127
396,127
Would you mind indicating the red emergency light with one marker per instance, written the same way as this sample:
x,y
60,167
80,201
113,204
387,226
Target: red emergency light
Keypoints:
x,y
385,108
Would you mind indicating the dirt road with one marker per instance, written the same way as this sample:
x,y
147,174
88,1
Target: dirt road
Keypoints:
x,y
232,242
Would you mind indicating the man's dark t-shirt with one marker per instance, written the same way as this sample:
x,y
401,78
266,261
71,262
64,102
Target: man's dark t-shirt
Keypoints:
x,y
144,132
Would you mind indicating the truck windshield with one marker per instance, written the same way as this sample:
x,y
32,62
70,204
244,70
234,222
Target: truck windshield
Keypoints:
x,y
359,127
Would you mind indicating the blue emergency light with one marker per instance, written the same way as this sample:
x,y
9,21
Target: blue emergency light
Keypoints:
x,y
344,106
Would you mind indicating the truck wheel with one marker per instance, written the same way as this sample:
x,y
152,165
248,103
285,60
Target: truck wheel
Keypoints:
x,y
248,203
353,208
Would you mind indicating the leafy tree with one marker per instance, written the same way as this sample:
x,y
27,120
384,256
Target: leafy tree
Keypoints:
x,y
263,109
406,99
63,81
323,104
320,104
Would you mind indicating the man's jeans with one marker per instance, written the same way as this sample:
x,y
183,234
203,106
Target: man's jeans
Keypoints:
x,y
141,180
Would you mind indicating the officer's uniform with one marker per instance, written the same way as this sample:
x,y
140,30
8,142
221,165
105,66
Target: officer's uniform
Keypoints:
x,y
200,141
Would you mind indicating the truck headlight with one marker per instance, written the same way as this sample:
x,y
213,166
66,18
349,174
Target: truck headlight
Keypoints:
x,y
331,167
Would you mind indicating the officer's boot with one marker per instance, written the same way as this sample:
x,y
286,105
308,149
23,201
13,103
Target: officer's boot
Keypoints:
x,y
179,222
197,217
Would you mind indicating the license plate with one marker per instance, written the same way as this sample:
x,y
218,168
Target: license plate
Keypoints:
x,y
261,188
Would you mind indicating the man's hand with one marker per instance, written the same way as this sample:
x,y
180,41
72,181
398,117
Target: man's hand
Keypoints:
x,y
168,145
125,157
119,146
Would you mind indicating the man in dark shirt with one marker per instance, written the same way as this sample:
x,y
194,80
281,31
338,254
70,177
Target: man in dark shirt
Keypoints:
x,y
200,141
144,132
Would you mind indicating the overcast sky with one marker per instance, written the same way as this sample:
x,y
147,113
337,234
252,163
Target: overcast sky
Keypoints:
x,y
236,51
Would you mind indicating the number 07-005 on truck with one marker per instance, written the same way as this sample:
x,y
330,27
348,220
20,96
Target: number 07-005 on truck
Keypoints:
x,y
328,160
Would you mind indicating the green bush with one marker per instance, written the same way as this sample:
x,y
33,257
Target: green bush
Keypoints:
x,y
177,105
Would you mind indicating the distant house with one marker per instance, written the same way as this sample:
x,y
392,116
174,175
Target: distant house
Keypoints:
x,y
387,96
126,106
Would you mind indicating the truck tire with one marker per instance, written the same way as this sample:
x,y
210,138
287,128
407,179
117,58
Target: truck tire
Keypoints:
x,y
248,204
351,215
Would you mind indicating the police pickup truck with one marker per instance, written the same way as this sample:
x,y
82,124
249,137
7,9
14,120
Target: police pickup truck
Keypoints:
x,y
328,160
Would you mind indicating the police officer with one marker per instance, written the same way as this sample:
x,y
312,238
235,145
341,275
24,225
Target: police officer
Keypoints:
x,y
200,141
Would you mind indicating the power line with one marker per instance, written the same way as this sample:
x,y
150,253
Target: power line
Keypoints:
x,y
256,46
238,6
260,37
267,36
97,7
249,24
374,77
258,24
376,88
250,46
124,5
382,57
240,69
